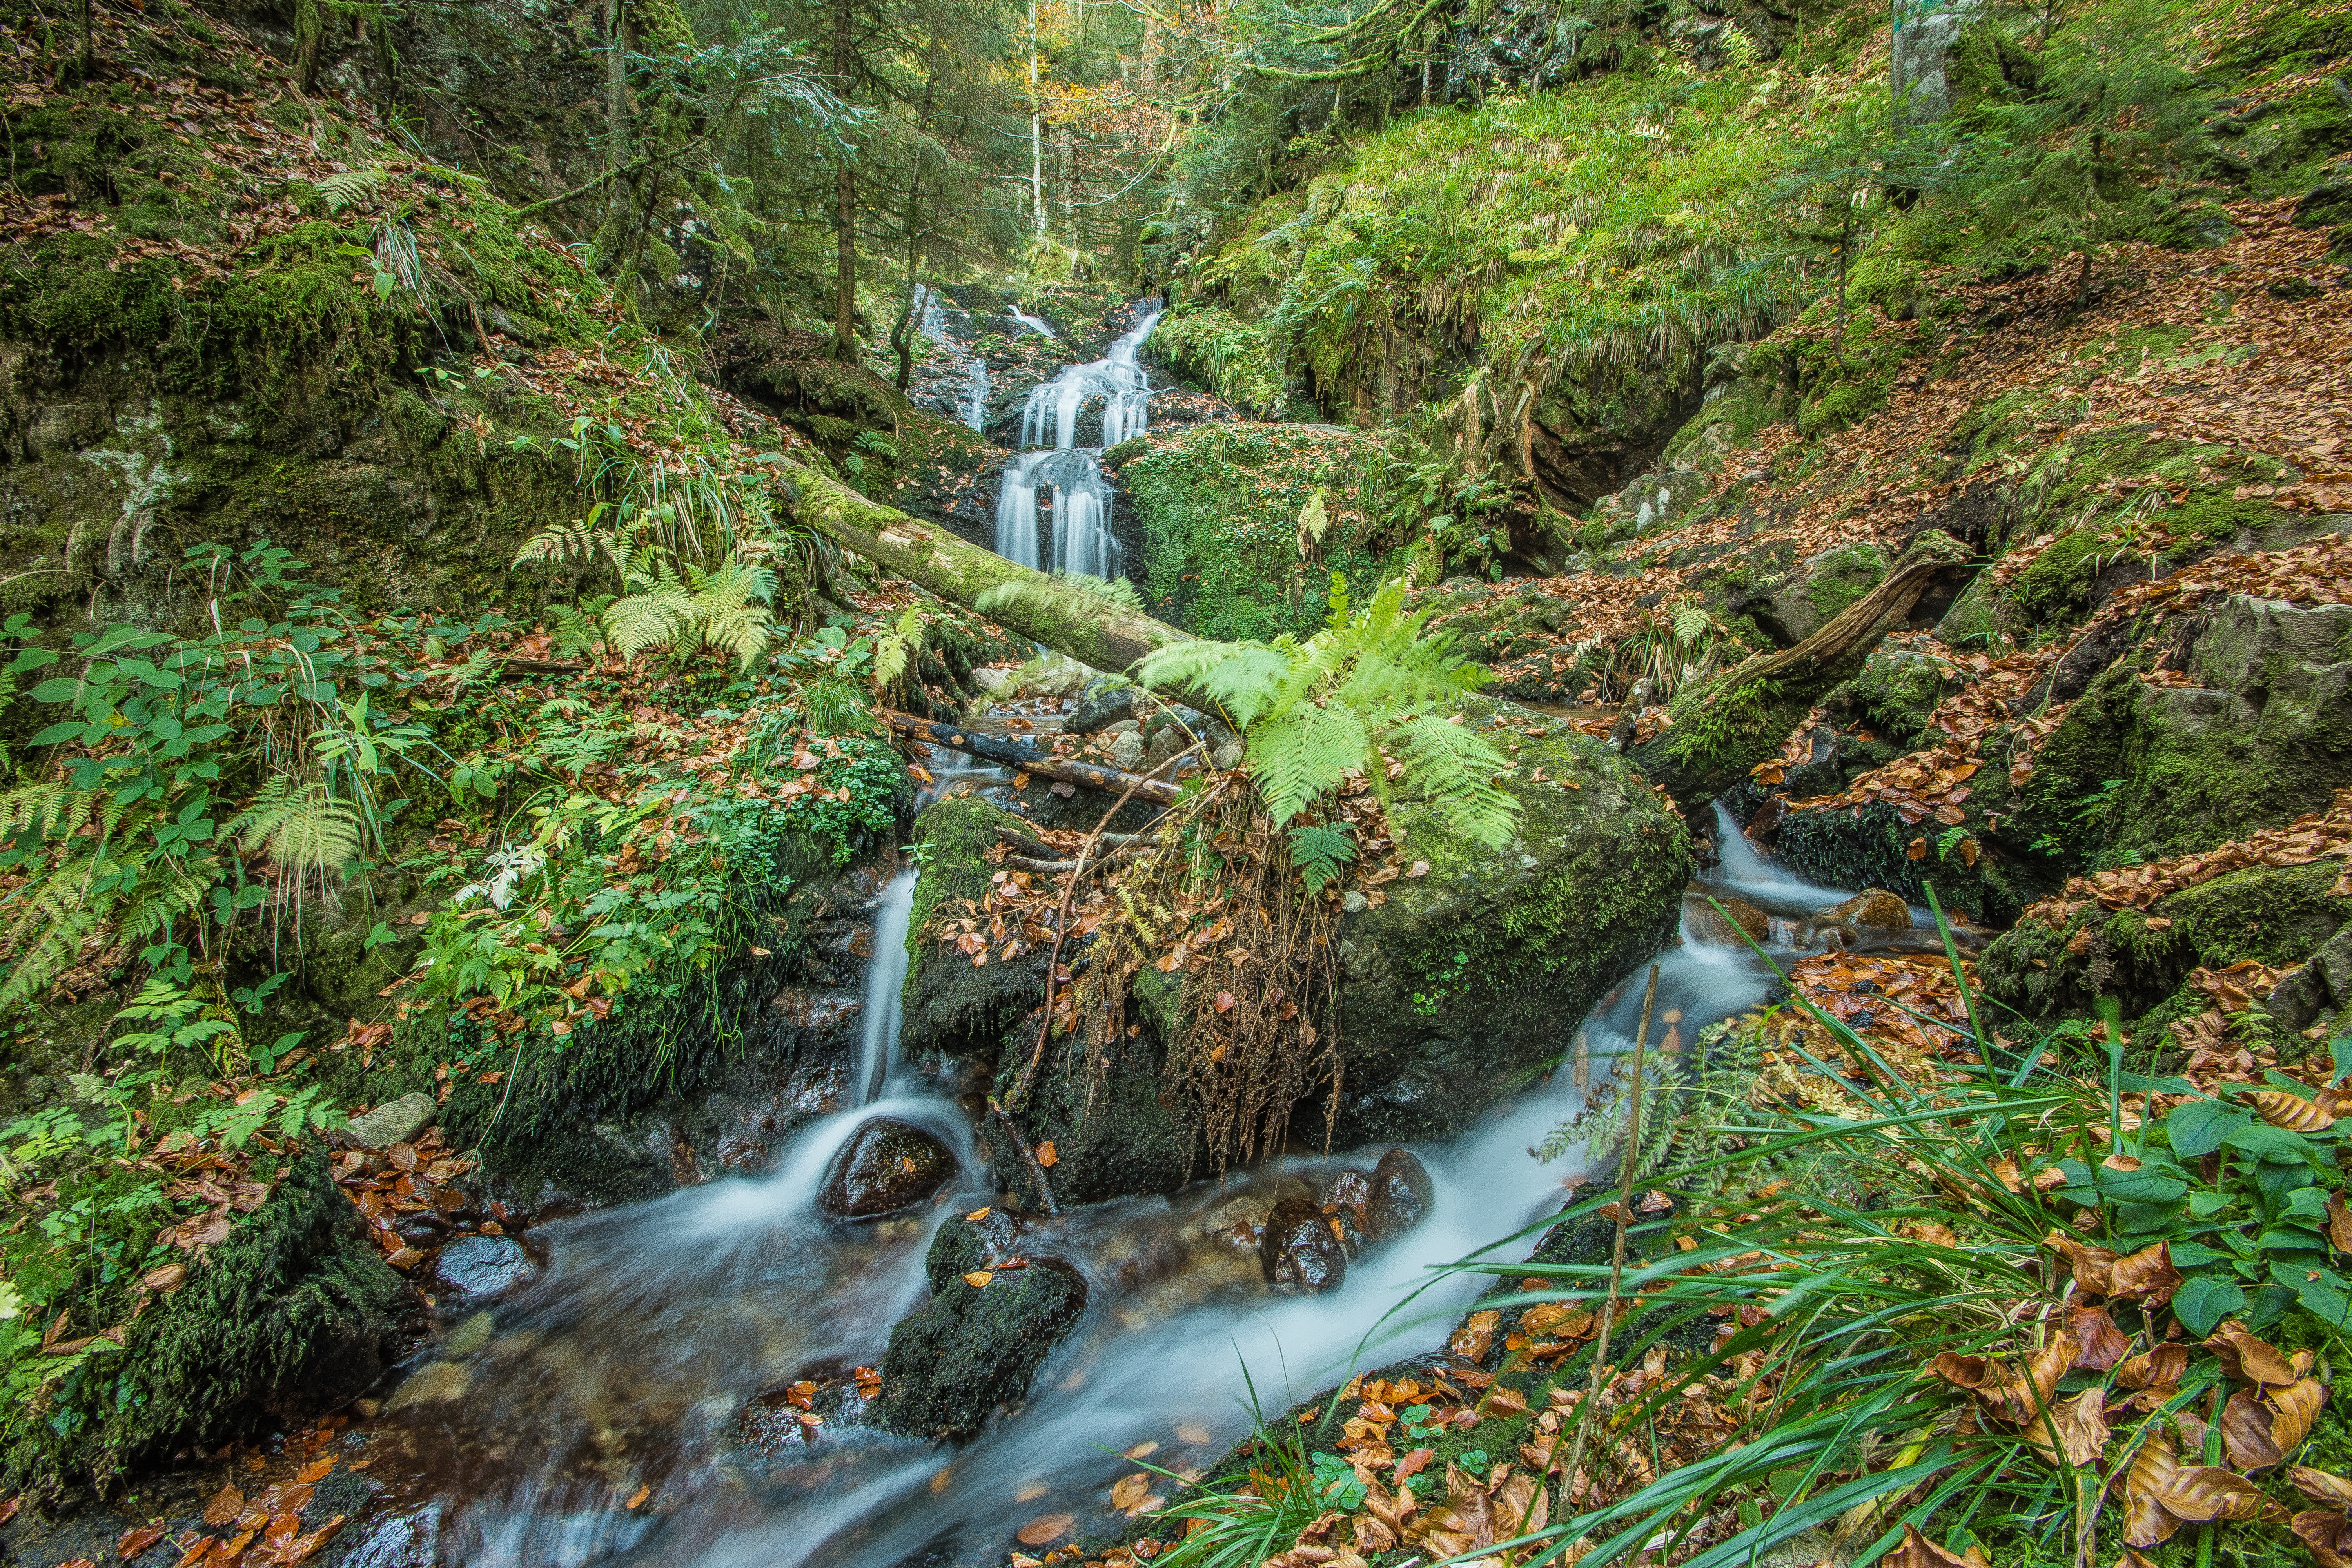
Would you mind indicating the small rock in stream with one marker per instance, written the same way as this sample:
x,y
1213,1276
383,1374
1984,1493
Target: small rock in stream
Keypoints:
x,y
1873,908
1724,928
1126,750
394,1121
1402,1195
1299,1250
479,1266
1103,705
995,1313
887,1165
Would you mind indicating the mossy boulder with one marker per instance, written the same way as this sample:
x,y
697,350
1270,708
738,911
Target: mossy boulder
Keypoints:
x,y
294,1312
2280,916
973,1349
1467,982
1820,589
2263,736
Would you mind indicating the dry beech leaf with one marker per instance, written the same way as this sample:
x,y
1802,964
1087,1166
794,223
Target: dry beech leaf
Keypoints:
x,y
2328,1491
1960,1371
137,1541
2103,1345
2208,1491
1046,1156
2146,1521
2154,1369
224,1506
2297,1406
2339,1223
2246,1434
2251,1359
2327,1532
978,1279
1129,1491
2090,1264
2281,1108
2146,1276
1918,1551
1043,1528
2079,1426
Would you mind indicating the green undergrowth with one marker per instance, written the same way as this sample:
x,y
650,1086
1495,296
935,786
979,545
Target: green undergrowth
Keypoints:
x,y
1244,525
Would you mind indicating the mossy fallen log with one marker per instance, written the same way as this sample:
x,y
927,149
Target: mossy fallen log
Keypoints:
x,y
1718,732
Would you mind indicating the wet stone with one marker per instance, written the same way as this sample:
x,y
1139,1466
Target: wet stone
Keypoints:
x,y
1103,705
1873,908
481,1266
394,1121
1299,1250
1731,926
887,1165
1400,1197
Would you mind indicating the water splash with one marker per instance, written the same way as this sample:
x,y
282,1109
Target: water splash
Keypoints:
x,y
1744,869
1115,379
886,974
1030,321
931,320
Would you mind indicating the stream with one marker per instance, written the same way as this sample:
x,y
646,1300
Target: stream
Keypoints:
x,y
639,1358
627,1406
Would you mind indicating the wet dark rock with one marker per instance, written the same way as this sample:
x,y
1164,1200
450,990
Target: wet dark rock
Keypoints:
x,y
1400,1197
1105,703
1299,1250
1873,908
887,1165
972,1349
477,1266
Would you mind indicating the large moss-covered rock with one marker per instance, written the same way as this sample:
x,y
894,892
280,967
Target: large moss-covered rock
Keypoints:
x,y
1819,589
973,1348
2279,916
2263,736
1468,982
294,1312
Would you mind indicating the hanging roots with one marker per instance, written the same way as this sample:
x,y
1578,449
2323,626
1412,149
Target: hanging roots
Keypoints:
x,y
1259,965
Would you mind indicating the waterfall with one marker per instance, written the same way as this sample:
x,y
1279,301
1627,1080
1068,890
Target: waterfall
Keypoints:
x,y
886,972
931,321
1081,496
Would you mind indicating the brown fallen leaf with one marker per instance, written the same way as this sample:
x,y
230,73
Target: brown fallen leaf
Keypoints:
x,y
137,1541
1413,1464
2246,1434
1129,1491
637,1498
2146,1521
224,1505
1043,1529
2251,1359
2146,1276
1471,1340
2078,1427
2155,1368
979,1278
317,1470
2209,1492
2103,1345
1047,1156
2281,1108
1918,1551
2297,1406
2339,1223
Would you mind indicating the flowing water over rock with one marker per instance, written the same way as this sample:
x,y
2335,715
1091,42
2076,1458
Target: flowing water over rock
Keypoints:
x,y
966,370
1080,532
661,1347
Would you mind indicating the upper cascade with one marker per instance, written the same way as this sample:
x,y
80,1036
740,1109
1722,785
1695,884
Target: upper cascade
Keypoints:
x,y
1115,378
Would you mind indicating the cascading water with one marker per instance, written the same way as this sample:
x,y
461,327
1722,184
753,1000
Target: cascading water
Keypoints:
x,y
1081,504
968,369
635,1362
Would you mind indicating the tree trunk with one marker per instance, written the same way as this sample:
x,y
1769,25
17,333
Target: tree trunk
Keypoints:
x,y
309,43
1089,629
845,204
1705,754
616,118
1036,133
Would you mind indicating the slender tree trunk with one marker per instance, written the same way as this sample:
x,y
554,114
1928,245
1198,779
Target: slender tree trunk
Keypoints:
x,y
902,336
88,41
844,204
1036,133
1150,48
616,108
310,40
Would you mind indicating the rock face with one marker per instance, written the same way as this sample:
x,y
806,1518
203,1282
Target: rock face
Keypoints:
x,y
887,1165
1873,910
973,1349
1400,1197
1105,703
479,1265
1300,1249
1824,585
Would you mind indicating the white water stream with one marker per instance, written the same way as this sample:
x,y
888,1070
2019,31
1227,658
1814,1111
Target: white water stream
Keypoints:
x,y
1080,529
632,1361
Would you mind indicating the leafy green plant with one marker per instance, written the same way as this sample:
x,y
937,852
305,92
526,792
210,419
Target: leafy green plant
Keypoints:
x,y
1319,851
1368,689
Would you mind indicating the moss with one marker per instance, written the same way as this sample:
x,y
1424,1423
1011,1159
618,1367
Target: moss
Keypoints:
x,y
1466,982
294,1312
2056,589
1843,577
2276,916
1870,846
1896,694
972,1349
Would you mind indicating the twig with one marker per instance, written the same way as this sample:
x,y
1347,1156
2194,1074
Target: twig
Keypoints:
x,y
1029,1155
1632,1161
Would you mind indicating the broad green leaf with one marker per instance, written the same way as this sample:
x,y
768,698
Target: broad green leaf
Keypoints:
x,y
2202,1126
2204,1301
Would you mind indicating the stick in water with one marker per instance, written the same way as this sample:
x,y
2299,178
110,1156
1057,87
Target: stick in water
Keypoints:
x,y
1632,1162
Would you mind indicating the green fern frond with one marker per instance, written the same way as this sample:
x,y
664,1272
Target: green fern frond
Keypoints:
x,y
563,540
350,186
302,827
1319,852
1304,754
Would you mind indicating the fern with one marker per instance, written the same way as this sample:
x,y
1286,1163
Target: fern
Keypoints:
x,y
303,828
576,628
725,607
1368,687
1119,591
731,608
565,541
352,187
893,648
1319,852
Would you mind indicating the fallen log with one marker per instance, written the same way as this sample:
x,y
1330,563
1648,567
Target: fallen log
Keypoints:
x,y
1091,629
1719,731
1028,756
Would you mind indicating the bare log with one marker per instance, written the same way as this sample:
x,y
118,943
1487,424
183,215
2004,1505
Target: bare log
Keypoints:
x,y
1728,727
1029,757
